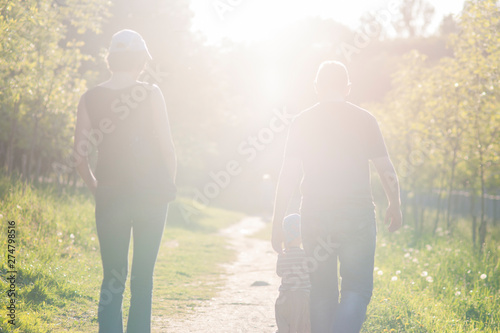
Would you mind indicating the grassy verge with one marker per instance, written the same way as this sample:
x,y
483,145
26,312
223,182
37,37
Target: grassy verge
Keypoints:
x,y
437,284
58,262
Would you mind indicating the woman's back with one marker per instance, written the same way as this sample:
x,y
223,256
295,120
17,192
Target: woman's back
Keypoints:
x,y
129,156
134,178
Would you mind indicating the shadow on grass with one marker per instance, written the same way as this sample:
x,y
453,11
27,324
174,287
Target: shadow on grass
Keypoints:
x,y
184,216
41,288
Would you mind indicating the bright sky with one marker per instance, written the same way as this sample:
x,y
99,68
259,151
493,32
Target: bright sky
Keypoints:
x,y
247,20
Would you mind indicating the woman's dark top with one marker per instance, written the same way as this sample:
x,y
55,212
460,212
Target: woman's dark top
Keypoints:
x,y
129,160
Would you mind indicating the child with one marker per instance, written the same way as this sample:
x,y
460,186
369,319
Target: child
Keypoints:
x,y
292,305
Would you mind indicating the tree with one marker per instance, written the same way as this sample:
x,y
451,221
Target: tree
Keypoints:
x,y
453,104
414,19
448,25
41,71
477,52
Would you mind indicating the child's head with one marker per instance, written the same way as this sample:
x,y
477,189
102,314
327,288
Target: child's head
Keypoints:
x,y
291,230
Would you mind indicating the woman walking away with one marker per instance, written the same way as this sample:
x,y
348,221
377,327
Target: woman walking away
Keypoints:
x,y
126,120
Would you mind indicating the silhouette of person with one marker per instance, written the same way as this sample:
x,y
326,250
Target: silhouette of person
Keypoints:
x,y
134,178
329,146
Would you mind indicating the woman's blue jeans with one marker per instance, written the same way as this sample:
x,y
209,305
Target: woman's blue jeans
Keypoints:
x,y
346,235
117,218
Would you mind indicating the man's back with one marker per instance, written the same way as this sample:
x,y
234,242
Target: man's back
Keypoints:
x,y
334,141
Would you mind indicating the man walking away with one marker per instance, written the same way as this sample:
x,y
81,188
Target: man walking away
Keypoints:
x,y
329,146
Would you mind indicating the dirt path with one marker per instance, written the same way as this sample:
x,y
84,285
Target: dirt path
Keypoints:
x,y
246,304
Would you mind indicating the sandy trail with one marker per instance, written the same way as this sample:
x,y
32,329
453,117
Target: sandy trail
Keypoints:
x,y
239,307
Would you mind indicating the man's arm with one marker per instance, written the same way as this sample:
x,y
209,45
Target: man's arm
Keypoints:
x,y
390,182
290,174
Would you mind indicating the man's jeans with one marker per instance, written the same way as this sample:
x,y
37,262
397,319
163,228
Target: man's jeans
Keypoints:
x,y
118,217
347,234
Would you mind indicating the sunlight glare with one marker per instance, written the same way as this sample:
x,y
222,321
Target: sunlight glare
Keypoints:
x,y
253,20
246,20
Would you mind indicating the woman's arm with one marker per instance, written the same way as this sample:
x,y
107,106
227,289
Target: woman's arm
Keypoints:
x,y
81,146
162,128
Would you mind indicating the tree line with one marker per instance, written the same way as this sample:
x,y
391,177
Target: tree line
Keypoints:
x,y
442,120
435,94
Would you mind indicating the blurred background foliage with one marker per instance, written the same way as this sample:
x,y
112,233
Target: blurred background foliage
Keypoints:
x,y
435,95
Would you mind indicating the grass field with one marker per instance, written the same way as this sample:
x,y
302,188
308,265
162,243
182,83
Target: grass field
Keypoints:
x,y
433,284
58,262
438,284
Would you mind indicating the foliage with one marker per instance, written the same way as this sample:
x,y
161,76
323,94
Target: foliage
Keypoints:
x,y
439,284
441,121
40,69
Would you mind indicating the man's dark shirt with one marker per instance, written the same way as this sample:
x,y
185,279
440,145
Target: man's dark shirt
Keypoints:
x,y
334,141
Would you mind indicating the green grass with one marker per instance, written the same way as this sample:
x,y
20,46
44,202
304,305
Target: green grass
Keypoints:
x,y
438,284
433,284
58,261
